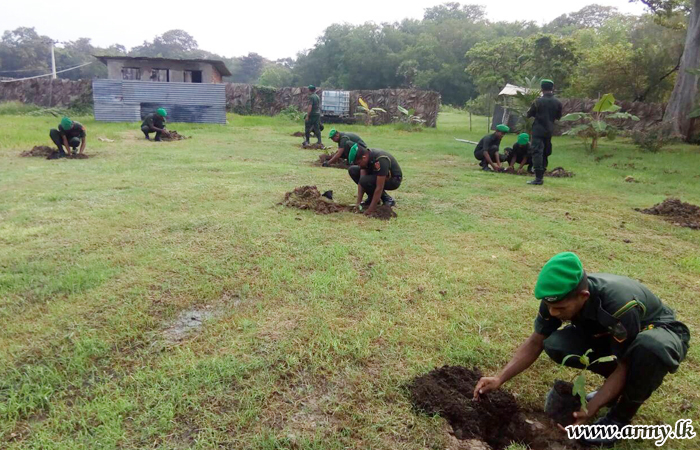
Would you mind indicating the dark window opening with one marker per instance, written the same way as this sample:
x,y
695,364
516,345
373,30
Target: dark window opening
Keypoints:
x,y
160,75
131,73
193,76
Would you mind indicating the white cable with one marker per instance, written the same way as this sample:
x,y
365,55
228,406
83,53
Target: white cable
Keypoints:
x,y
47,75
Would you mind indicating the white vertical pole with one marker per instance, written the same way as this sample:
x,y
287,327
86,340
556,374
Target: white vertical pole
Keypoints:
x,y
53,62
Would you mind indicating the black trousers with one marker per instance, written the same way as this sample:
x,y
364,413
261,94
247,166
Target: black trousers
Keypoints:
x,y
519,159
314,123
645,372
492,154
56,138
369,182
541,151
147,130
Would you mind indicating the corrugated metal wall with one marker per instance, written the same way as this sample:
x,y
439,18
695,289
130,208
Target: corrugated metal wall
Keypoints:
x,y
130,101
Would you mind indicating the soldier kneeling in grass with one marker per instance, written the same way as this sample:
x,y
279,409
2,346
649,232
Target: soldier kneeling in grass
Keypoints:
x,y
612,315
345,142
520,153
70,135
154,123
375,172
487,150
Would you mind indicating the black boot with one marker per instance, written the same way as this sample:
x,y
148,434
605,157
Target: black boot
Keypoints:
x,y
539,174
387,200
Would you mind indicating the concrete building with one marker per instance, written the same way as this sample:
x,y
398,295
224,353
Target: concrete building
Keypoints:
x,y
164,69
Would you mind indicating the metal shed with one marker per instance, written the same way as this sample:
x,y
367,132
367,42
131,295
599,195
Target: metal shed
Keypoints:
x,y
131,101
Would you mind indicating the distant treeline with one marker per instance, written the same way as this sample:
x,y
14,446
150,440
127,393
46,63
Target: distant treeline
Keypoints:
x,y
453,49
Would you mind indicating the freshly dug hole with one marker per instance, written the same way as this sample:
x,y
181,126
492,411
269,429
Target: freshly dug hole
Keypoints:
x,y
495,419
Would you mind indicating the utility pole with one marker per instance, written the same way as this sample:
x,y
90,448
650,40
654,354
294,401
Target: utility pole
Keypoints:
x,y
53,62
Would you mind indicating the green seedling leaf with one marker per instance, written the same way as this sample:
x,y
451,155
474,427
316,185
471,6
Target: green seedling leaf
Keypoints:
x,y
580,389
584,360
605,359
563,363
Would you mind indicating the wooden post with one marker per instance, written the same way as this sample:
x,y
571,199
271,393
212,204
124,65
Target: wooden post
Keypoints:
x,y
470,121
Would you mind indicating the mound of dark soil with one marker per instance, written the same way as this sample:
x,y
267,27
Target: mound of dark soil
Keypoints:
x,y
309,198
383,212
561,403
40,151
172,135
495,418
314,147
298,134
677,212
557,172
339,164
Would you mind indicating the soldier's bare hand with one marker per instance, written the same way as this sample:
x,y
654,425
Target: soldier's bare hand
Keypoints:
x,y
486,385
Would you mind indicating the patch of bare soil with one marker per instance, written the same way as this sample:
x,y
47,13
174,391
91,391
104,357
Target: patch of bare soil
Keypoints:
x,y
298,134
495,419
309,198
314,147
172,135
557,172
339,164
677,212
187,323
40,151
383,212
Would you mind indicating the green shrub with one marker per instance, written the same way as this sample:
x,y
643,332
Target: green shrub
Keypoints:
x,y
653,138
293,113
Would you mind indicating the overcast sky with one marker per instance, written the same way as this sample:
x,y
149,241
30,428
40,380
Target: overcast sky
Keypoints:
x,y
274,29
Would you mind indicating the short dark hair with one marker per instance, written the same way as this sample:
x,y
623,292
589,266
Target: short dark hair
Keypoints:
x,y
361,151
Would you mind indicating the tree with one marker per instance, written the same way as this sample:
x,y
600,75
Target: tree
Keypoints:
x,y
591,16
684,96
247,69
24,53
276,76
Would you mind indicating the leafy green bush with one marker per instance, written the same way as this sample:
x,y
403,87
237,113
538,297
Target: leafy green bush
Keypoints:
x,y
653,138
293,113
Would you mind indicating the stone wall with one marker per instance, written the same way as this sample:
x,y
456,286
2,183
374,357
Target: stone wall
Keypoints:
x,y
48,93
250,99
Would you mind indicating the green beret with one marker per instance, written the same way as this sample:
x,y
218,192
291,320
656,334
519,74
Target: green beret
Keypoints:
x,y
66,124
162,112
332,133
546,83
559,277
523,138
312,87
503,128
352,154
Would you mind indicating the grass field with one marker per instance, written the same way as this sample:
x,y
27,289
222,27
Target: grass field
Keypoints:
x,y
316,322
